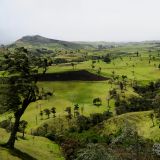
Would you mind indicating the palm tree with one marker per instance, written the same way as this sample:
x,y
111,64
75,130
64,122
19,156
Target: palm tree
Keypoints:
x,y
53,111
152,118
72,64
41,114
76,108
47,112
69,113
121,86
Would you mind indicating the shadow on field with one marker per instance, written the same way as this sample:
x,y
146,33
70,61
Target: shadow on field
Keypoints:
x,y
21,155
81,75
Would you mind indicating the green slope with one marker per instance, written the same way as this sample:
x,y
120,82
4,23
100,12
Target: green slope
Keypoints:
x,y
39,148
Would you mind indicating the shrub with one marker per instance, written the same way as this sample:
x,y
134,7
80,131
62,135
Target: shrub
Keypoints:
x,y
6,124
96,118
60,60
51,136
97,101
69,148
83,123
94,152
106,59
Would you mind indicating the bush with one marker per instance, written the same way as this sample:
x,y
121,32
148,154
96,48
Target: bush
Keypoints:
x,y
94,152
72,129
97,101
6,124
106,59
51,136
83,123
69,148
96,118
60,60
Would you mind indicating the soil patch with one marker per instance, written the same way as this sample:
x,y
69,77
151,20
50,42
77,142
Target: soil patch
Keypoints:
x,y
81,75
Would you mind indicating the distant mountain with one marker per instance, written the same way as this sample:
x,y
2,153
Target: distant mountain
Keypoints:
x,y
43,42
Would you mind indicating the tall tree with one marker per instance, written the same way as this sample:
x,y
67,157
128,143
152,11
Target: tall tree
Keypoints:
x,y
76,110
19,87
47,112
69,113
53,110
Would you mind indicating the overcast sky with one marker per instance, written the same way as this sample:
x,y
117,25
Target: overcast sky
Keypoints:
x,y
80,20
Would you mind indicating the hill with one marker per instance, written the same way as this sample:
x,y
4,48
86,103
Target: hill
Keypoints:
x,y
30,148
37,41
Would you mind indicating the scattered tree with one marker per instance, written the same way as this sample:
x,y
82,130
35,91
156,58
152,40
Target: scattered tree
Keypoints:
x,y
53,111
47,112
23,125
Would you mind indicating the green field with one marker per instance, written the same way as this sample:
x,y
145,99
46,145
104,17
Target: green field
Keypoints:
x,y
143,71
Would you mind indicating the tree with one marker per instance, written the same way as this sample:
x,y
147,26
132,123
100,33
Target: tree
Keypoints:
x,y
99,70
121,86
47,112
72,64
124,80
76,110
41,114
107,59
93,66
23,125
83,123
43,62
53,111
137,53
19,87
69,113
97,101
152,118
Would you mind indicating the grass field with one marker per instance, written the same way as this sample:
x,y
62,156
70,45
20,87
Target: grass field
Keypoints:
x,y
143,71
141,121
30,148
67,94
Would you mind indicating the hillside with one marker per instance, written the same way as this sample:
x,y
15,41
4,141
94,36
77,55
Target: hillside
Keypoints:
x,y
30,148
39,41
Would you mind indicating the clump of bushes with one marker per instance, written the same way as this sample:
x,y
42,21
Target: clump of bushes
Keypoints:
x,y
106,59
84,123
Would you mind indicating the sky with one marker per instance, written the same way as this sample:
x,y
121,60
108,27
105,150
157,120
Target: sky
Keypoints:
x,y
80,20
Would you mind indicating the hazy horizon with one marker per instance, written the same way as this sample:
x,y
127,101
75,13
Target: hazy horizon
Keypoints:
x,y
80,20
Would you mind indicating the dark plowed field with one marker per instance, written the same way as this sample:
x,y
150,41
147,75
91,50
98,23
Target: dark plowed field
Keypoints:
x,y
81,75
